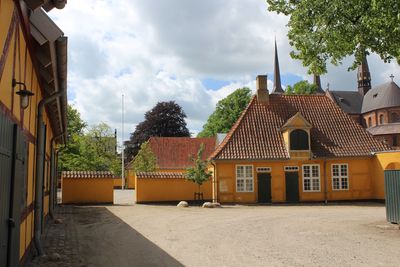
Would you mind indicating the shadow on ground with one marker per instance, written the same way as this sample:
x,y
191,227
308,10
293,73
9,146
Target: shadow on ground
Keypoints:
x,y
102,239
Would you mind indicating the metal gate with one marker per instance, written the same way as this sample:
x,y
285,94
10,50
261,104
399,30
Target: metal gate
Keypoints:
x,y
12,175
392,195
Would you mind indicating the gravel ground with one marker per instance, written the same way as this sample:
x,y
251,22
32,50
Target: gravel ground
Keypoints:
x,y
151,235
337,235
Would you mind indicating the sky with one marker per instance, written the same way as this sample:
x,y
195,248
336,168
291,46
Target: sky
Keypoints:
x,y
192,52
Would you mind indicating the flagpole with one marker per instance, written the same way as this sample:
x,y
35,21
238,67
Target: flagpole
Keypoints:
x,y
122,153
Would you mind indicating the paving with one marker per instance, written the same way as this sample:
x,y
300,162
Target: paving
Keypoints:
x,y
161,235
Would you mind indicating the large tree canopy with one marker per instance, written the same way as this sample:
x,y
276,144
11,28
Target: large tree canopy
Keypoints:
x,y
226,113
90,150
322,30
301,88
166,119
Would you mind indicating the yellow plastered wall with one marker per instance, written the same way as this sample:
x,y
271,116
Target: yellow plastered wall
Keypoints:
x,y
382,162
360,186
77,190
24,71
117,182
130,178
153,190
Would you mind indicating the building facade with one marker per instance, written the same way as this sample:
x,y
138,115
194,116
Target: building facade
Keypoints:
x,y
295,148
33,80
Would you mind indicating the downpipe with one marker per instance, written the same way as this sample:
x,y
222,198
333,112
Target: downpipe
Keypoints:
x,y
53,176
39,171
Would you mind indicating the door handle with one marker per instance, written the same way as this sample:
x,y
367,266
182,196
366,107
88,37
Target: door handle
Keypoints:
x,y
11,222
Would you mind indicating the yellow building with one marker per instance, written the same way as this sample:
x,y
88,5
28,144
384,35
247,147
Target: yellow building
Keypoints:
x,y
33,77
168,183
295,148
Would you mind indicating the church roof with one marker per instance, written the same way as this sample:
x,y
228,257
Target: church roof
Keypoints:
x,y
349,101
383,96
257,134
390,128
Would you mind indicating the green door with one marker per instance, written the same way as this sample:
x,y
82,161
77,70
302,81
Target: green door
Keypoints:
x,y
264,187
292,187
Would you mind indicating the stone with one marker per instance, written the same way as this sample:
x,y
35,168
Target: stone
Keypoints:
x,y
208,205
216,205
211,205
183,204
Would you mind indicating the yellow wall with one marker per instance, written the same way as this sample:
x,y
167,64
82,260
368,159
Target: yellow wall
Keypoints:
x,y
87,190
130,178
360,186
383,161
24,72
117,182
151,190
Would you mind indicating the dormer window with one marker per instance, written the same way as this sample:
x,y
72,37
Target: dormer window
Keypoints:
x,y
296,133
299,140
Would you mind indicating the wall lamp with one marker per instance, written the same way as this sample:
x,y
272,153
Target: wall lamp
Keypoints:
x,y
24,94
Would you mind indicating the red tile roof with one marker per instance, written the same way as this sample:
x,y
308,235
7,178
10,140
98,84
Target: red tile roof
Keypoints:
x,y
160,175
175,152
257,135
87,175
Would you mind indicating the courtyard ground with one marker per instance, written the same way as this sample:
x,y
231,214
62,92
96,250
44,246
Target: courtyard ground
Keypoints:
x,y
160,235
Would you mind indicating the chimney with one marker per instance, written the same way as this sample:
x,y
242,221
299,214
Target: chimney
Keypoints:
x,y
262,89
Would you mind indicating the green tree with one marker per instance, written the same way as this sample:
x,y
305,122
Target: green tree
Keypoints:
x,y
100,149
70,156
145,160
322,30
301,88
226,113
90,150
199,173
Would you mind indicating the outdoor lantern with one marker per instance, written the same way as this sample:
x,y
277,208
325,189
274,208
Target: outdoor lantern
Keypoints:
x,y
24,94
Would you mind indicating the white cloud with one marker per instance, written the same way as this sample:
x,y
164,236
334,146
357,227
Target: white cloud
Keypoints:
x,y
161,50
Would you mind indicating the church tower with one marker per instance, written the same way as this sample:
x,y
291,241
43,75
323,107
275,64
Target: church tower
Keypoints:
x,y
363,77
277,74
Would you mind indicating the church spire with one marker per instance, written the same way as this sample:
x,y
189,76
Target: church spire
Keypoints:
x,y
277,74
363,77
317,82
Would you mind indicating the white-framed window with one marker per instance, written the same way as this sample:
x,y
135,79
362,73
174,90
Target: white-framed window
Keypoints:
x,y
340,176
291,168
244,178
263,169
311,178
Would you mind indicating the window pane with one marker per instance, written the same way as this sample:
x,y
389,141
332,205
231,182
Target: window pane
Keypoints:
x,y
239,185
335,170
345,184
343,170
307,185
240,171
306,171
315,171
249,171
315,183
249,185
336,183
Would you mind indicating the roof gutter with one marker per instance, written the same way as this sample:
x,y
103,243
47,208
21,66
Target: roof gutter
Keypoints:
x,y
40,145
